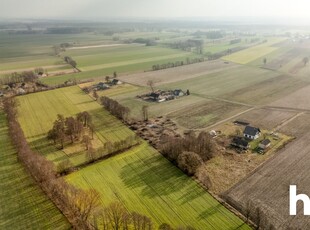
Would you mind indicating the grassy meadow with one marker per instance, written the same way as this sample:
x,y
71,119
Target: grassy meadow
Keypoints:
x,y
100,62
37,112
23,204
146,182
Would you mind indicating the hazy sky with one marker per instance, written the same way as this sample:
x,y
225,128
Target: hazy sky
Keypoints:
x,y
156,8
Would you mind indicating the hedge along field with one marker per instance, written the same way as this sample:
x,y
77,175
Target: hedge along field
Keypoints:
x,y
145,182
253,53
134,58
23,204
38,111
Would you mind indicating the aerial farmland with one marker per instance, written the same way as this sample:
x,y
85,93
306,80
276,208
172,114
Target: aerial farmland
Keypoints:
x,y
146,125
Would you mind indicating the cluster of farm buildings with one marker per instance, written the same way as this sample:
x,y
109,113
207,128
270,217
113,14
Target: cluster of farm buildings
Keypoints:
x,y
249,134
163,95
106,85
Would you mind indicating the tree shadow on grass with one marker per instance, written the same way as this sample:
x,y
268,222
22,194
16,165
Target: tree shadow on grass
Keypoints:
x,y
209,212
191,194
155,176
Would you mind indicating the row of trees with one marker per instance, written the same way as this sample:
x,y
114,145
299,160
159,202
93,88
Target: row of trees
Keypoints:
x,y
115,216
188,61
70,61
116,109
78,205
26,76
72,129
188,45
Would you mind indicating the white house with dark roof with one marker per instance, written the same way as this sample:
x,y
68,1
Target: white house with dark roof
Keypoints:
x,y
251,132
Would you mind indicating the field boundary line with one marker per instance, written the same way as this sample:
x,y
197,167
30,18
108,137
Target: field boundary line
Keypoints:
x,y
288,121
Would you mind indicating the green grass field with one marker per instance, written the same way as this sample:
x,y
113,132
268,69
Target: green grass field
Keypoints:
x,y
253,53
28,51
23,204
37,112
96,63
148,183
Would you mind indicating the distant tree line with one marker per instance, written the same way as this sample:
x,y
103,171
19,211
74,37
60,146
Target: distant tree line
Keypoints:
x,y
146,41
26,76
216,34
116,109
188,61
69,30
188,45
235,41
214,56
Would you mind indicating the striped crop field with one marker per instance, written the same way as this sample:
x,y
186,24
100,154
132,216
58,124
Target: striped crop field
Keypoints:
x,y
103,61
255,52
145,182
23,204
38,111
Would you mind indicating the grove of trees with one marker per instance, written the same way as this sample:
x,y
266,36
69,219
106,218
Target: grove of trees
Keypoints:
x,y
71,129
116,109
189,153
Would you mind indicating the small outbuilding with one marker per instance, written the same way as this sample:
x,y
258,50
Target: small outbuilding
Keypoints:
x,y
264,144
251,133
115,82
241,143
101,86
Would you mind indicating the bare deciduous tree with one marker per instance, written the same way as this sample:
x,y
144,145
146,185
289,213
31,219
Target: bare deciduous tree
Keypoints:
x,y
151,84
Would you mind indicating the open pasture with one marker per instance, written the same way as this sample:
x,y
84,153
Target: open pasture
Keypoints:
x,y
268,119
178,73
297,100
121,69
104,57
297,127
268,90
288,58
37,112
203,114
253,53
223,82
147,183
23,204
20,52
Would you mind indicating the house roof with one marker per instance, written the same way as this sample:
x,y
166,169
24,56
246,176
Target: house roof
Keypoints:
x,y
265,142
252,131
240,142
